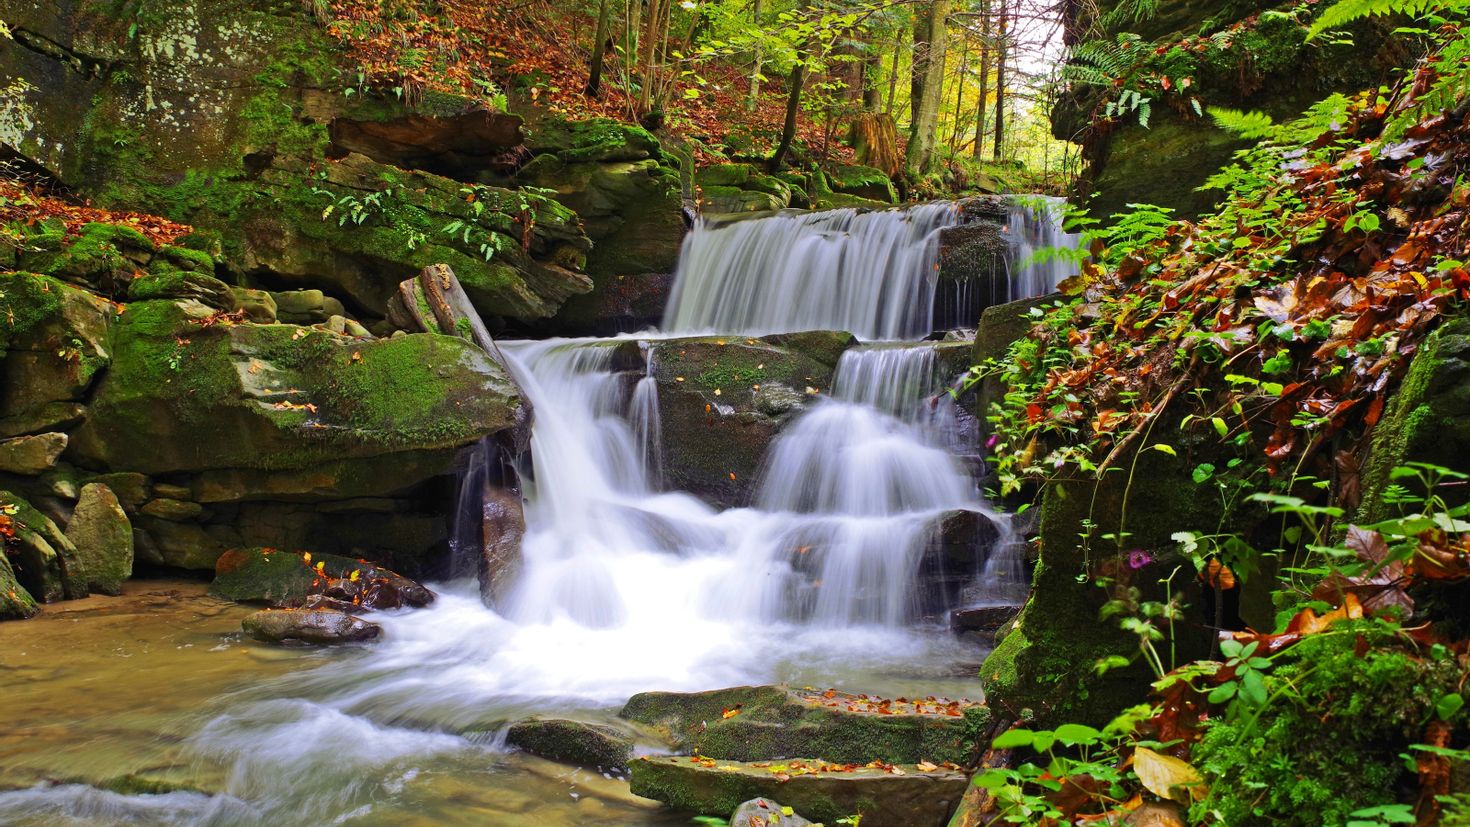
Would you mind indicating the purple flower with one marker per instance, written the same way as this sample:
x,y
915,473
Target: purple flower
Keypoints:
x,y
1138,558
990,443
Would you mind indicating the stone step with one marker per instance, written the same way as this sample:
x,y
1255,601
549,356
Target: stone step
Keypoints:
x,y
885,795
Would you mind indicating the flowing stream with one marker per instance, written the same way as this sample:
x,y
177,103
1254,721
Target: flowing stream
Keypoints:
x,y
627,586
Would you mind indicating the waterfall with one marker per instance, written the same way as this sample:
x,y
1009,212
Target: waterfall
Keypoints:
x,y
870,273
1033,224
874,274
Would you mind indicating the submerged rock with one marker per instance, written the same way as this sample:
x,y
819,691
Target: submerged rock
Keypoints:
x,y
308,626
285,578
103,536
762,812
885,796
753,723
573,742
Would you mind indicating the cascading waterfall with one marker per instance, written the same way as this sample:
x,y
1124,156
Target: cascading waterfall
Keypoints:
x,y
868,273
624,586
871,273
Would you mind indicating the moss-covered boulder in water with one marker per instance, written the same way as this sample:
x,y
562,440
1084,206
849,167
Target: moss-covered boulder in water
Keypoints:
x,y
43,560
864,182
573,742
186,397
752,723
16,602
737,188
714,393
894,796
311,626
288,578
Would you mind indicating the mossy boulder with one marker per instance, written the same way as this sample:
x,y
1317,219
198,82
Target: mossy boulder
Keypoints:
x,y
596,139
286,398
103,536
738,188
597,746
864,182
753,723
288,578
54,338
31,455
763,812
15,602
169,283
102,256
895,796
43,561
716,423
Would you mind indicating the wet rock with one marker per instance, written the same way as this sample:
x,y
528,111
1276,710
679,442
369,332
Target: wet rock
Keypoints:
x,y
713,430
305,306
103,537
258,305
454,137
175,510
131,489
56,344
573,742
752,723
983,618
285,578
617,304
763,812
44,561
178,284
897,796
737,188
15,602
31,455
318,626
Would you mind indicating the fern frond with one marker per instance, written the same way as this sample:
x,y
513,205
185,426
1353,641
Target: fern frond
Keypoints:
x,y
1344,12
1248,125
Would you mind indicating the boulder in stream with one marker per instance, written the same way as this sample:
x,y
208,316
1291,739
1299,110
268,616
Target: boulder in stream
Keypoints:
x,y
886,795
754,723
103,535
324,626
573,742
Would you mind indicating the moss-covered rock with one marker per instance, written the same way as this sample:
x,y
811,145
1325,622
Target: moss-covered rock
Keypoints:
x,y
597,139
287,398
287,578
715,427
902,796
15,602
55,343
103,536
753,723
864,182
43,560
573,742
31,455
738,188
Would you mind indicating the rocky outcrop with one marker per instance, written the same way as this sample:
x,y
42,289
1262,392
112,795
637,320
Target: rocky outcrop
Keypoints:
x,y
236,118
1193,56
311,626
892,796
740,188
762,812
43,562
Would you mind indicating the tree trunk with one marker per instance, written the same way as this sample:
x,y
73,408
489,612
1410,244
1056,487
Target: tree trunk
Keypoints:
x,y
928,85
979,151
959,90
793,106
872,61
1001,47
653,17
599,48
755,72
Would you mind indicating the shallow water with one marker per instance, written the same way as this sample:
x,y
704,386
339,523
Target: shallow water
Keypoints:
x,y
157,687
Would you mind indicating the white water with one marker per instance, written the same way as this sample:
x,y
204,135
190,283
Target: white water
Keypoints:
x,y
626,587
874,274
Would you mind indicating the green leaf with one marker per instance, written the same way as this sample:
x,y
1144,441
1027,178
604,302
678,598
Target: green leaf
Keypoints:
x,y
1013,738
1075,734
1253,688
1449,705
1167,449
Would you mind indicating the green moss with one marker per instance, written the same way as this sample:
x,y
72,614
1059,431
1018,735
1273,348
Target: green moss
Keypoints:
x,y
27,301
1352,692
188,260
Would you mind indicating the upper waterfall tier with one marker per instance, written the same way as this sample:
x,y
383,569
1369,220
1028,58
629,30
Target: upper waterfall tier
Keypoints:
x,y
875,274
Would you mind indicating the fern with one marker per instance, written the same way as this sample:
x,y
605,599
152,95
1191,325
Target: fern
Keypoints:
x,y
1248,125
1344,12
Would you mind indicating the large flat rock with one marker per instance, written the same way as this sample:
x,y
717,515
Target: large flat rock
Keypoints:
x,y
885,795
753,723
